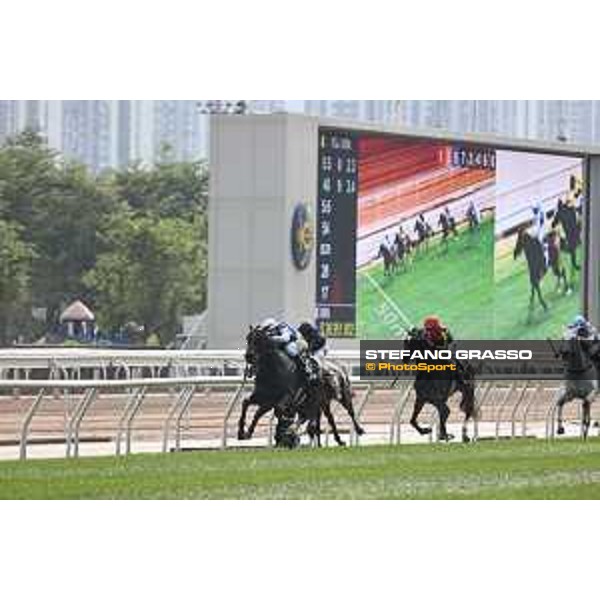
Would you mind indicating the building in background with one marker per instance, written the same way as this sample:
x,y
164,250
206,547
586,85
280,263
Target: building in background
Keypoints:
x,y
113,133
377,111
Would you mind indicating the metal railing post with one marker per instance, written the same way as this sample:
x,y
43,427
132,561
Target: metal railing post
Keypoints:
x,y
528,406
124,417
487,388
186,403
27,422
396,425
229,411
132,414
84,408
169,418
513,415
503,404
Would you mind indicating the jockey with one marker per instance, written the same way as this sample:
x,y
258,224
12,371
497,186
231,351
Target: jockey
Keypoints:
x,y
577,353
436,333
473,211
317,343
581,329
293,343
539,220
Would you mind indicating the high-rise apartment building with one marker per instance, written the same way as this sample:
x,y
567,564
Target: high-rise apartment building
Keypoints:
x,y
114,133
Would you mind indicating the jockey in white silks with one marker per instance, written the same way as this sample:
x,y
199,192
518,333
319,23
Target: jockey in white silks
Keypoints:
x,y
539,225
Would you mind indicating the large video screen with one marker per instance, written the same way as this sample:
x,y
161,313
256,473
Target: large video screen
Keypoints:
x,y
489,240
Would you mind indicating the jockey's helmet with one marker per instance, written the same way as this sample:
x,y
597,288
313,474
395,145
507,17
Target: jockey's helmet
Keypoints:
x,y
268,323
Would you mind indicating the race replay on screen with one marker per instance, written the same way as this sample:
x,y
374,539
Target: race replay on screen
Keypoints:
x,y
485,359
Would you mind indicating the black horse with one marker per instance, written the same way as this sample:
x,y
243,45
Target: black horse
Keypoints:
x,y
334,385
390,261
280,385
437,387
424,232
566,216
448,225
536,263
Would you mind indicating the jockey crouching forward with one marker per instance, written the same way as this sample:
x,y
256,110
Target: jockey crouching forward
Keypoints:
x,y
293,344
437,336
580,347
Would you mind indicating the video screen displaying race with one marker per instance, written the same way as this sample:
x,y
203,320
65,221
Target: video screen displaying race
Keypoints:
x,y
489,240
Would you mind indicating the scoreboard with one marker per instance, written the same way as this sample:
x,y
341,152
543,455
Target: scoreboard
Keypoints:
x,y
337,200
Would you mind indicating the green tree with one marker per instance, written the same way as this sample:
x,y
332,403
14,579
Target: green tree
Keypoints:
x,y
58,206
151,271
15,271
170,189
130,242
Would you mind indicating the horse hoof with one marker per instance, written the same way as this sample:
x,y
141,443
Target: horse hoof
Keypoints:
x,y
466,439
446,438
360,431
241,436
341,444
560,431
425,431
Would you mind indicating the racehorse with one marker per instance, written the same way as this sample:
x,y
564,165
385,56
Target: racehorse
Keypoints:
x,y
473,218
566,216
555,261
448,225
424,232
536,263
390,261
335,385
437,388
279,385
583,356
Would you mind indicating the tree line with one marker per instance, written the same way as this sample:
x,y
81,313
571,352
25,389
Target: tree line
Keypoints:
x,y
131,243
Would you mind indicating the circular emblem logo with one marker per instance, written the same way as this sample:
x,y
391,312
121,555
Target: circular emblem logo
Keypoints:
x,y
302,236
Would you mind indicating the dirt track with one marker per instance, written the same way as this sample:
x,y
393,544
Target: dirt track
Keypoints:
x,y
202,423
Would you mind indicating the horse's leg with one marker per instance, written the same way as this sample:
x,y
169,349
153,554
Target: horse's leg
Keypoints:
x,y
587,417
573,255
564,398
314,427
538,290
444,413
465,431
532,297
346,402
332,424
563,276
418,407
242,421
345,399
261,411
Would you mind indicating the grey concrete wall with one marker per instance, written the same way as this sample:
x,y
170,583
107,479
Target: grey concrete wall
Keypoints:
x,y
261,167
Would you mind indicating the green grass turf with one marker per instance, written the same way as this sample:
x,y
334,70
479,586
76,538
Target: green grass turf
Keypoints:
x,y
518,469
512,318
479,296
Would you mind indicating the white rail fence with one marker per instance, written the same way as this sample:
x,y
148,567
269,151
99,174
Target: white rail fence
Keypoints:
x,y
203,411
98,363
